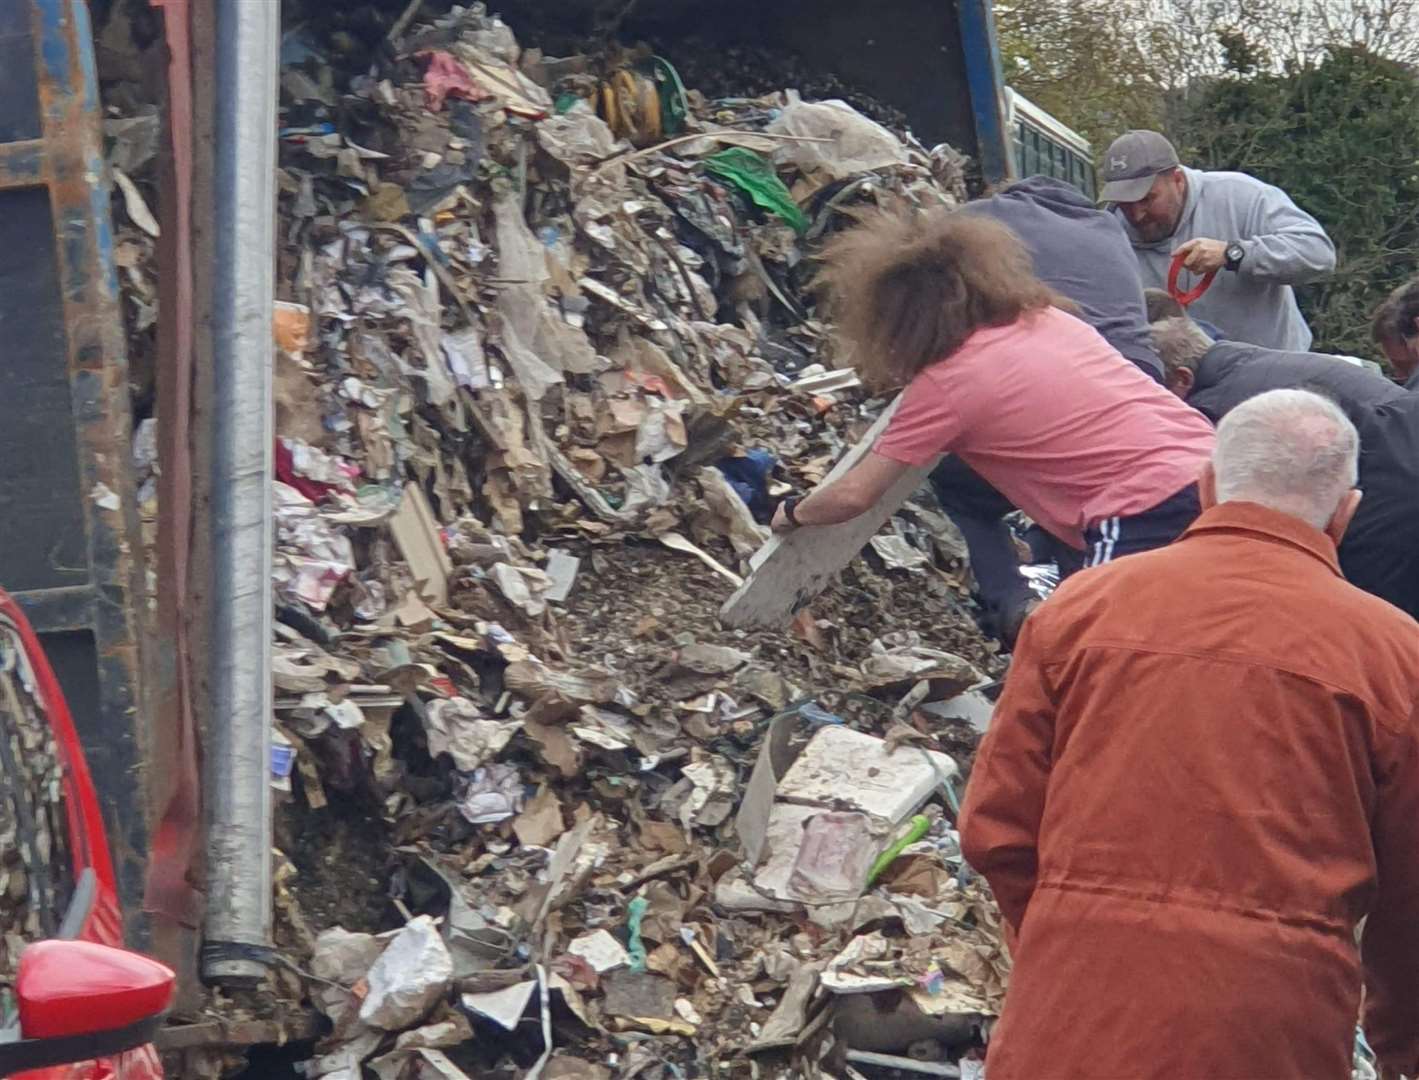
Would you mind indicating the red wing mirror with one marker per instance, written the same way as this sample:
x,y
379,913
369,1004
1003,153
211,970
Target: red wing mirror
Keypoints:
x,y
79,1000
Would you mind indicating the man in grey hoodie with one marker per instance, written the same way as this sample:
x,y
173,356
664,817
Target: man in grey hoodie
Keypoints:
x,y
1253,233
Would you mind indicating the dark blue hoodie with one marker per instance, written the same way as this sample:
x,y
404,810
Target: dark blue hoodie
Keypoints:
x,y
1082,253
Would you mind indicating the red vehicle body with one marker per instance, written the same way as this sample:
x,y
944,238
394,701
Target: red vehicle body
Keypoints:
x,y
102,923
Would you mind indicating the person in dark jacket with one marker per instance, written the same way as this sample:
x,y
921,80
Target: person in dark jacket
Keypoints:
x,y
1380,551
1082,253
1217,376
1396,331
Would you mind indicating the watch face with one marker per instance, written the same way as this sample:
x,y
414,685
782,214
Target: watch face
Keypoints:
x,y
1235,253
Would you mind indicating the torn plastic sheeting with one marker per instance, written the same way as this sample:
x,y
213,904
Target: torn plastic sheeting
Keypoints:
x,y
345,958
412,973
732,516
647,486
135,140
577,138
755,177
858,144
513,90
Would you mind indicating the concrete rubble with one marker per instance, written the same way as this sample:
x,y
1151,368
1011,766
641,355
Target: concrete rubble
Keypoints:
x,y
547,356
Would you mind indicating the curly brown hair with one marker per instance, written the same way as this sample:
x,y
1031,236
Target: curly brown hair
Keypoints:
x,y
907,288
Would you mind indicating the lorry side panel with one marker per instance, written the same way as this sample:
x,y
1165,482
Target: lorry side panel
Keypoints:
x,y
69,541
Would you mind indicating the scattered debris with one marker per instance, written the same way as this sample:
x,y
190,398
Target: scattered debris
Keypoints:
x,y
545,330
412,973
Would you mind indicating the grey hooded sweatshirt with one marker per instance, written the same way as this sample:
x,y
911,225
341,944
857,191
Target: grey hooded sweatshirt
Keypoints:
x,y
1080,252
1284,246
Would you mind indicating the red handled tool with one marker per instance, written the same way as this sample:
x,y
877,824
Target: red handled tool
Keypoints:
x,y
1192,294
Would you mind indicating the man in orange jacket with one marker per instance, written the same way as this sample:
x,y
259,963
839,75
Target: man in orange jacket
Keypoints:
x,y
1202,775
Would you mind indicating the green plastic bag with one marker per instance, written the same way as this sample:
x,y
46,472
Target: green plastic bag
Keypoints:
x,y
756,178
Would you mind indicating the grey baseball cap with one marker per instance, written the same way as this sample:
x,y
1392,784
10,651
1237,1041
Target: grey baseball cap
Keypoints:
x,y
1131,162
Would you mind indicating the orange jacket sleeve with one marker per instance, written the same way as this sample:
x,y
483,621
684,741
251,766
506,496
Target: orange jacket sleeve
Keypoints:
x,y
1000,821
1390,947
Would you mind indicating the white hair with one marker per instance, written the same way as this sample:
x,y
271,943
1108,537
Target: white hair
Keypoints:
x,y
1291,450
1180,342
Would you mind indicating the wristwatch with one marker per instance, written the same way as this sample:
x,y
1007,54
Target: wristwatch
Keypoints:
x,y
1235,254
790,510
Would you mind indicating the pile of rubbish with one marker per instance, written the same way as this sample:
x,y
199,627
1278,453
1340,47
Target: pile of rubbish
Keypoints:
x,y
548,355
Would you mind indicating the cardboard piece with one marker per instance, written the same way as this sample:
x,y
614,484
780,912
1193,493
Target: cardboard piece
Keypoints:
x,y
416,531
794,567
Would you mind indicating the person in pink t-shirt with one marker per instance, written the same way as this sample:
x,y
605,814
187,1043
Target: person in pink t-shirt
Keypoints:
x,y
999,373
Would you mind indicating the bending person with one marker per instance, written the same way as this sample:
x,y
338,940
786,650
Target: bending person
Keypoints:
x,y
1027,395
1380,552
1082,253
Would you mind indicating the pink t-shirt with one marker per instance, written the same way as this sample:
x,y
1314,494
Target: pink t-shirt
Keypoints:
x,y
1061,424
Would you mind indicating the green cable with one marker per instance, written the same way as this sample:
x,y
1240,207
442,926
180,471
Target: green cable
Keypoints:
x,y
918,827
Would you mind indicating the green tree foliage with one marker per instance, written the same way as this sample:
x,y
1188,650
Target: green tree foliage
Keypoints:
x,y
1341,137
1085,62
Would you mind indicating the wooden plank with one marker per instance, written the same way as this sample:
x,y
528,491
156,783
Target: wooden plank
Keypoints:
x,y
416,532
792,568
295,1025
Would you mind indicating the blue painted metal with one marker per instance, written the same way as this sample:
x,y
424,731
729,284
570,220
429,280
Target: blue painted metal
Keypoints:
x,y
69,537
980,52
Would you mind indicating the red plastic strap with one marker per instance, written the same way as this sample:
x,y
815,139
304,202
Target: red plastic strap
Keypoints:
x,y
1186,298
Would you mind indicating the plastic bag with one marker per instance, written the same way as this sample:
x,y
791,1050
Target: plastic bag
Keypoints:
x,y
756,178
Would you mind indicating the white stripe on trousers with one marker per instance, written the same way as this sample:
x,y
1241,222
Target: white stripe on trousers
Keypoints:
x,y
1104,546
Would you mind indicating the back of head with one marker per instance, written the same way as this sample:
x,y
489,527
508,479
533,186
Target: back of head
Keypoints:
x,y
1162,305
906,288
1397,318
1180,342
1290,450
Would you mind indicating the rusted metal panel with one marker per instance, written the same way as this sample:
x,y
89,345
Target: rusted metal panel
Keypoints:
x,y
173,904
22,163
74,553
